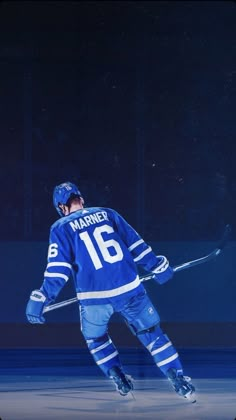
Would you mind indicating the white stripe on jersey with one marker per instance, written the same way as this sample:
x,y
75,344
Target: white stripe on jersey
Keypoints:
x,y
141,241
149,249
59,264
109,293
62,276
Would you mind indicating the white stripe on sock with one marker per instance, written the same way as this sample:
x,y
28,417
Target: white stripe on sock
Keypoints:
x,y
161,348
99,362
101,347
169,359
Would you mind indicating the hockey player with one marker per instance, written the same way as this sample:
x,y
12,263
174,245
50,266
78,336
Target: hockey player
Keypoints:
x,y
103,251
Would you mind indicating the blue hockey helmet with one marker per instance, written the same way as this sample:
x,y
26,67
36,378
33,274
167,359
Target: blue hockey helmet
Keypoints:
x,y
62,193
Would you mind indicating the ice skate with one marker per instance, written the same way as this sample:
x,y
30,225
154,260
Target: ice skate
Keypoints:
x,y
182,385
123,382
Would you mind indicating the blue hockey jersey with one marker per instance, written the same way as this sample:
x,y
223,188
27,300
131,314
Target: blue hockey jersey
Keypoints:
x,y
101,250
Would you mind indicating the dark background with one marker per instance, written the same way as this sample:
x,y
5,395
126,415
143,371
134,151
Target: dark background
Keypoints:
x,y
135,102
132,100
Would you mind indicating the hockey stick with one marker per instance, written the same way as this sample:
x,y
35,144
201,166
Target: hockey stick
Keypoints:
x,y
206,258
177,268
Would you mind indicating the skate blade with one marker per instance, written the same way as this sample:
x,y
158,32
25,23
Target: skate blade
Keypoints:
x,y
191,398
131,392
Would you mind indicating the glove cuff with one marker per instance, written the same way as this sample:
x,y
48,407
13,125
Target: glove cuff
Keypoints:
x,y
38,296
164,264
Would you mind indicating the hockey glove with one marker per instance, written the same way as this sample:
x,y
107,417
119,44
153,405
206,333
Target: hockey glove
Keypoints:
x,y
34,308
163,272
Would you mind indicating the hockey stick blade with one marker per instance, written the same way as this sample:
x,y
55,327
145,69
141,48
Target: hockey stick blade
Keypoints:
x,y
184,266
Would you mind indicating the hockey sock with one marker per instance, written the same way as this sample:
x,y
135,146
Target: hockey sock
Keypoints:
x,y
104,353
162,350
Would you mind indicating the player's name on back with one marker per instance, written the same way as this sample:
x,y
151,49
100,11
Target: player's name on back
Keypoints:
x,y
89,219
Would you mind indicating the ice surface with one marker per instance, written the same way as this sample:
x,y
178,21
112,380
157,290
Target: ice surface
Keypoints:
x,y
65,397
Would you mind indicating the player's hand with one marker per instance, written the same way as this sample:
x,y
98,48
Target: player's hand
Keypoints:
x,y
34,308
163,271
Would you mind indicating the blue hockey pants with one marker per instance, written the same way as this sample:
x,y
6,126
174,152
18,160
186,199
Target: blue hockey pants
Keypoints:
x,y
143,320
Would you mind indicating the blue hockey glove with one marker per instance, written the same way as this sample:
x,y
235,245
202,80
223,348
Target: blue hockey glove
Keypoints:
x,y
34,308
163,272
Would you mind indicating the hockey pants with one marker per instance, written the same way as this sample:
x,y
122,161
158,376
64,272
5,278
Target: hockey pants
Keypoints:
x,y
143,320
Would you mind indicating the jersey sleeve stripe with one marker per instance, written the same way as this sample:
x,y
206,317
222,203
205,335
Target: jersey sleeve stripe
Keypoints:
x,y
56,275
139,257
135,244
59,264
